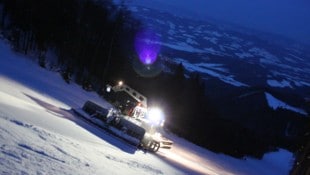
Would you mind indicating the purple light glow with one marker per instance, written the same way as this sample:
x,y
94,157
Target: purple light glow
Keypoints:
x,y
147,47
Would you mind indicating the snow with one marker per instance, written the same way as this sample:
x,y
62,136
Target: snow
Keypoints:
x,y
191,41
160,21
235,45
297,57
214,66
222,48
201,40
182,31
235,38
181,46
213,40
294,79
171,32
279,159
266,57
281,84
228,47
292,60
189,36
39,134
212,51
301,83
275,103
133,9
185,46
244,55
272,163
171,25
213,33
205,68
34,150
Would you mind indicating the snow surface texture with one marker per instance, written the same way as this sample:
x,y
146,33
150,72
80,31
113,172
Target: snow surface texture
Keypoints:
x,y
39,134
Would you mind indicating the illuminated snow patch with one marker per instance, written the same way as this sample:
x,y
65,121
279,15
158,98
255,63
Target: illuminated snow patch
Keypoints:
x,y
267,57
214,33
275,103
205,68
212,40
212,51
297,57
244,55
181,46
214,66
191,41
301,83
281,84
235,45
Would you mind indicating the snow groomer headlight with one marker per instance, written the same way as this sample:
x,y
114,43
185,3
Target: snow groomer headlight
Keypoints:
x,y
155,116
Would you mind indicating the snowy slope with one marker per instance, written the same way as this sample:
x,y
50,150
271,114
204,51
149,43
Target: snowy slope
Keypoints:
x,y
40,135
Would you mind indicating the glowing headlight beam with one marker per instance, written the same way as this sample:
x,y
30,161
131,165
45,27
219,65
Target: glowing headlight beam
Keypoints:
x,y
155,116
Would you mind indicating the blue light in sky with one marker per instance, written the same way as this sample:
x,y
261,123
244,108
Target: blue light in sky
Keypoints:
x,y
146,46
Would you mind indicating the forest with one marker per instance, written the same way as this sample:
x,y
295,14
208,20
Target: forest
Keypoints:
x,y
94,45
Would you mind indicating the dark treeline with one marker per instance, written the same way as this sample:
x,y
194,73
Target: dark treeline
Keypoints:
x,y
302,162
85,35
94,41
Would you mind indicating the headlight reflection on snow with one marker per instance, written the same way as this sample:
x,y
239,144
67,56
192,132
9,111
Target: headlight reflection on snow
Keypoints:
x,y
190,160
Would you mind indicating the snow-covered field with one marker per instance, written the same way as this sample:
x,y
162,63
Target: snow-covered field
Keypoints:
x,y
179,36
39,134
212,70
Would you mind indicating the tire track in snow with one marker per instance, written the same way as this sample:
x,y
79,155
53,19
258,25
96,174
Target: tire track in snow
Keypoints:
x,y
43,153
135,164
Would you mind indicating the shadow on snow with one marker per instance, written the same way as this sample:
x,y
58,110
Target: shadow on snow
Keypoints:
x,y
70,115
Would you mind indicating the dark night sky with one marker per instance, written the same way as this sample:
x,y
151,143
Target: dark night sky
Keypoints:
x,y
290,18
